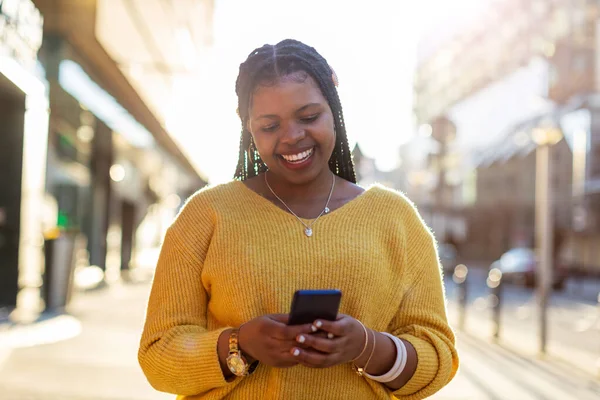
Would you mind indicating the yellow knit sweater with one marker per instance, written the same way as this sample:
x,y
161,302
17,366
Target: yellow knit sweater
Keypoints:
x,y
232,255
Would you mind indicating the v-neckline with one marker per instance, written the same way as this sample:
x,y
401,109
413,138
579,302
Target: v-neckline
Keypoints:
x,y
348,205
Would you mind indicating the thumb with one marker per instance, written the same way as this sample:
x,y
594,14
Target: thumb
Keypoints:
x,y
281,318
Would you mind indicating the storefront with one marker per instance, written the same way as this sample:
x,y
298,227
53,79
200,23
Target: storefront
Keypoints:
x,y
112,181
23,145
99,174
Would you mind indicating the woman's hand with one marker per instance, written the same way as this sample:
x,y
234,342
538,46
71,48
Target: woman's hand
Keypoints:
x,y
343,342
269,340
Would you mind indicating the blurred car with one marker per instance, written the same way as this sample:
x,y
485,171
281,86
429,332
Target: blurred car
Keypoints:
x,y
448,257
518,265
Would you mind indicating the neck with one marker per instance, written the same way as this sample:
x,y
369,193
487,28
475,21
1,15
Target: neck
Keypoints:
x,y
317,188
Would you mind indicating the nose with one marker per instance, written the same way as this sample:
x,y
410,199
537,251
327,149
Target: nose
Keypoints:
x,y
293,134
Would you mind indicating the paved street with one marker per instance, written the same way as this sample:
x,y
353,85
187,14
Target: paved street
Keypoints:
x,y
96,360
574,322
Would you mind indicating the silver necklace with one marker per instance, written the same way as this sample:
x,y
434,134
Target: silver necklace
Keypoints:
x,y
307,228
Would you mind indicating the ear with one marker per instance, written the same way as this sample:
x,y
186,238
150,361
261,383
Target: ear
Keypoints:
x,y
334,77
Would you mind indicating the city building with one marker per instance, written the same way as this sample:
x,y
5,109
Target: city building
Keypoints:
x,y
23,137
482,88
503,213
108,176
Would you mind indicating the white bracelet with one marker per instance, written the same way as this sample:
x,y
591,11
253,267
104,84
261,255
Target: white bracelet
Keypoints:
x,y
399,364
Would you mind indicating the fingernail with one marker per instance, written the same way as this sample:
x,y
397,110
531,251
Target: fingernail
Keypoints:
x,y
330,335
313,328
296,352
318,324
301,339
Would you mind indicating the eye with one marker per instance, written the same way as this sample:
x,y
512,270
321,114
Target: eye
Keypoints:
x,y
309,119
270,128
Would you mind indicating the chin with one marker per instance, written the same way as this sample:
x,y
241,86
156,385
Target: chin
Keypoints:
x,y
298,177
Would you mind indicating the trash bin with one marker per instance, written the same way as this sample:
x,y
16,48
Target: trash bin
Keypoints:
x,y
59,273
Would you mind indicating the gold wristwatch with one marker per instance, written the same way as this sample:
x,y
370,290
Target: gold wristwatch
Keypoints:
x,y
236,362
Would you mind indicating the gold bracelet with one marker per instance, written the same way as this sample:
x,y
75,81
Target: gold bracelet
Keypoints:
x,y
372,351
362,370
366,342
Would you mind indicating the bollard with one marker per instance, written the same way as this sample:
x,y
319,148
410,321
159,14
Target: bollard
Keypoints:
x,y
460,278
598,320
494,282
598,326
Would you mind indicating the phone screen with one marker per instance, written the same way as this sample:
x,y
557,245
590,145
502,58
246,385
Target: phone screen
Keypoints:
x,y
309,305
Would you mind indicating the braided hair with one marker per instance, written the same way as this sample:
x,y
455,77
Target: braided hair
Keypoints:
x,y
265,66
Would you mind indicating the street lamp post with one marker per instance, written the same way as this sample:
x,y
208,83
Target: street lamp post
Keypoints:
x,y
544,137
579,177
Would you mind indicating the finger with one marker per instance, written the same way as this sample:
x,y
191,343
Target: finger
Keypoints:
x,y
339,327
291,332
280,349
321,344
284,346
295,330
321,334
313,359
283,360
281,318
276,328
286,359
280,352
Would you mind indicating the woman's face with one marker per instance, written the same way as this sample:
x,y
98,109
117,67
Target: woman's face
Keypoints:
x,y
293,128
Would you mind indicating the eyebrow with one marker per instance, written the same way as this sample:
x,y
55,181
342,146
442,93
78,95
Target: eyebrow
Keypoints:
x,y
273,116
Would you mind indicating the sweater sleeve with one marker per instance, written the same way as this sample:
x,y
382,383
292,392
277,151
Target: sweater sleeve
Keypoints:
x,y
421,319
177,353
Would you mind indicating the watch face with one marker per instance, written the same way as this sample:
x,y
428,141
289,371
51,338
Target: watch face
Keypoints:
x,y
236,364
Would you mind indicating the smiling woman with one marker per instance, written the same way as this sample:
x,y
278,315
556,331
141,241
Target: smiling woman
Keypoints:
x,y
294,218
277,88
295,106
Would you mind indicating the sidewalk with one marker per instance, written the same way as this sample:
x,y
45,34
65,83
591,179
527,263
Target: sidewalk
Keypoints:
x,y
490,372
94,358
100,363
573,327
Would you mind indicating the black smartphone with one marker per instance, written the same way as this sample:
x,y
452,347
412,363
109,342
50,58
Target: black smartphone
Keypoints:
x,y
309,305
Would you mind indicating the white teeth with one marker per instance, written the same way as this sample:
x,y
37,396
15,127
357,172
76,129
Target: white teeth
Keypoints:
x,y
298,157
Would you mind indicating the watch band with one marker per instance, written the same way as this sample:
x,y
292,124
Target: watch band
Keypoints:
x,y
234,342
236,353
252,367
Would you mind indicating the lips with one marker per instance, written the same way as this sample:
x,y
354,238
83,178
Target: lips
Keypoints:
x,y
298,161
299,157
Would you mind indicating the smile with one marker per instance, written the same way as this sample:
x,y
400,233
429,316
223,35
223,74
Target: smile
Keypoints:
x,y
298,158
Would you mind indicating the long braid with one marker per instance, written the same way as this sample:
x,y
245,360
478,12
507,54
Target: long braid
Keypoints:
x,y
265,65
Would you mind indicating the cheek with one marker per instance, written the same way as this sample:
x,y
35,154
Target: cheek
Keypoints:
x,y
327,134
264,145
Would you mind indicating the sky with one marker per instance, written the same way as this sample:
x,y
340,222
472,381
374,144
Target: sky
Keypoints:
x,y
371,45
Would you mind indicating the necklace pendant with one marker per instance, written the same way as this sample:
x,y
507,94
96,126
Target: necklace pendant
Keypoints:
x,y
308,232
326,210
